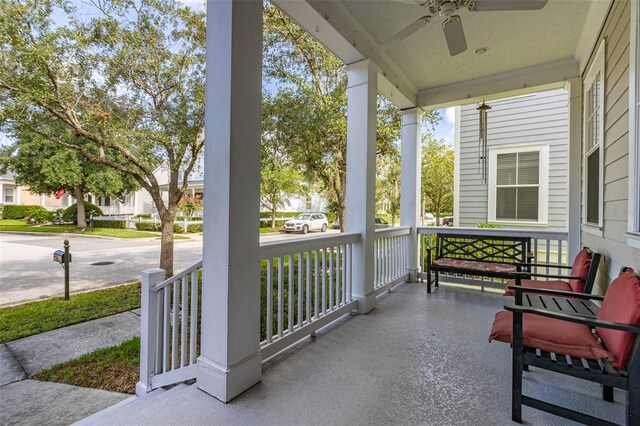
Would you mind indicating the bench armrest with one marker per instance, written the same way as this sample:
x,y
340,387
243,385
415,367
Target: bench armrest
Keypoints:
x,y
592,322
545,265
550,292
524,274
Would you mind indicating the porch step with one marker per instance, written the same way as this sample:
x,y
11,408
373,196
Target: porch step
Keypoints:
x,y
121,412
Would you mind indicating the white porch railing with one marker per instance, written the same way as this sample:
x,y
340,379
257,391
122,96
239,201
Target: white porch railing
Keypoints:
x,y
547,246
170,328
306,285
390,259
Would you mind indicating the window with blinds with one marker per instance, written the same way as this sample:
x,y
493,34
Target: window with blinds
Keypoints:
x,y
592,140
518,186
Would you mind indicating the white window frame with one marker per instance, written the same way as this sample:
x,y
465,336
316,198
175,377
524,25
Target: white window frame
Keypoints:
x,y
543,183
13,195
633,238
597,68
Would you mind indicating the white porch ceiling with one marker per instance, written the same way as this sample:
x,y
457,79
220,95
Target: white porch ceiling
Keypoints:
x,y
515,40
527,50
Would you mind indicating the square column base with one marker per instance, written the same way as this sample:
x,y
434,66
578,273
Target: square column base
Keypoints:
x,y
225,383
366,303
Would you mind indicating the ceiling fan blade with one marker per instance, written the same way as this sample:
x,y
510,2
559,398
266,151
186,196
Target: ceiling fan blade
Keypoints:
x,y
497,5
406,32
454,34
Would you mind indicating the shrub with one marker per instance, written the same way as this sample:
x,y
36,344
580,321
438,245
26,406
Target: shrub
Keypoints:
x,y
116,224
143,216
488,225
57,216
195,227
177,229
181,218
12,211
71,213
39,214
147,226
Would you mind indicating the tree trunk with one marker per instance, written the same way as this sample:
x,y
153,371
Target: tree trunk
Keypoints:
x,y
437,206
273,219
341,214
166,244
81,218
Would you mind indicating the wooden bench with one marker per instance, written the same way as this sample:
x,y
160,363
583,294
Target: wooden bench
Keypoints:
x,y
578,308
489,256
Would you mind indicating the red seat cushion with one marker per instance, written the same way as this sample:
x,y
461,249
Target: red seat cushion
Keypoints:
x,y
474,265
581,265
552,285
621,304
551,335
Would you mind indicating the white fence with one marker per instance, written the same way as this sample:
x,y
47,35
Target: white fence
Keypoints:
x,y
130,221
169,331
391,248
548,247
308,285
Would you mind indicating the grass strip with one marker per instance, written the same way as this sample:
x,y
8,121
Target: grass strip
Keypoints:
x,y
114,369
37,317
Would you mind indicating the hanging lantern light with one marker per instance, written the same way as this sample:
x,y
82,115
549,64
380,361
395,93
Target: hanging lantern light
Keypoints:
x,y
482,146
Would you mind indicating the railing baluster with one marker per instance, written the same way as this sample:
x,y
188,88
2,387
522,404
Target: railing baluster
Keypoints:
x,y
316,273
324,281
349,292
165,329
300,289
338,275
308,285
194,317
269,319
280,295
184,302
290,309
159,362
331,279
174,326
548,256
559,255
344,274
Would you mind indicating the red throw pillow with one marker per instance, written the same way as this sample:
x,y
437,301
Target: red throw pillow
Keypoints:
x,y
621,304
549,334
580,268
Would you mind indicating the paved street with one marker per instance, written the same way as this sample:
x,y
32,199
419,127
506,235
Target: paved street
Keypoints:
x,y
27,270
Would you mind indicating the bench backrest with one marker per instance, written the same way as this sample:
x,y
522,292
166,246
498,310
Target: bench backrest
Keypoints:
x,y
484,248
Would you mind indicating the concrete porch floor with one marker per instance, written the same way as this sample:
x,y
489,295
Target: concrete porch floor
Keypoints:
x,y
416,359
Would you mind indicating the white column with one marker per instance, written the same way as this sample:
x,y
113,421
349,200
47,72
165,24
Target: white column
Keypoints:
x,y
17,194
361,176
410,180
574,154
229,362
1,193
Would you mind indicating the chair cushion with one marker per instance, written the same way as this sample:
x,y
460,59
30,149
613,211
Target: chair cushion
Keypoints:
x,y
621,304
474,265
552,285
551,335
581,265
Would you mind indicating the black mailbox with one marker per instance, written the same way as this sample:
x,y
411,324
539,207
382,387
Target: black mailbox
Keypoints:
x,y
58,256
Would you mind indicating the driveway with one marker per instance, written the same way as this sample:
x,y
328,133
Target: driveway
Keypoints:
x,y
28,272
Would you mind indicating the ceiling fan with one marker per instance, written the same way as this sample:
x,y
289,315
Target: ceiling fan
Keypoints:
x,y
452,24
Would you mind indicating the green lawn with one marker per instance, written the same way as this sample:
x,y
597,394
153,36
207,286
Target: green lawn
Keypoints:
x,y
9,225
13,225
118,233
114,369
37,317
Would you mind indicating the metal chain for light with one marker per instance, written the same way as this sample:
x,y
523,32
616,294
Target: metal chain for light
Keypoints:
x,y
482,146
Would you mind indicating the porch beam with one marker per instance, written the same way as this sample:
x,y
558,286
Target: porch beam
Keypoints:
x,y
361,177
229,362
513,83
332,24
410,180
574,155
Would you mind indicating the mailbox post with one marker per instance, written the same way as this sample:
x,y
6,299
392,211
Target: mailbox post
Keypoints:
x,y
64,258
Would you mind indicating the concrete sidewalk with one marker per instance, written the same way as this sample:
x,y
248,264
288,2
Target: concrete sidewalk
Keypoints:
x,y
30,402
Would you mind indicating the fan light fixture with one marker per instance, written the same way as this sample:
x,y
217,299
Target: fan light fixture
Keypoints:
x,y
481,51
482,145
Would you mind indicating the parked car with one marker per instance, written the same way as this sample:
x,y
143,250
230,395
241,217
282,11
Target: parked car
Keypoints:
x,y
306,222
429,220
380,223
447,221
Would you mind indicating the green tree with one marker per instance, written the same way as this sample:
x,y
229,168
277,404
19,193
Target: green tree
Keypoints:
x,y
47,168
437,175
122,84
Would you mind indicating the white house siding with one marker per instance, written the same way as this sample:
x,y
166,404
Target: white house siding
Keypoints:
x,y
613,244
535,119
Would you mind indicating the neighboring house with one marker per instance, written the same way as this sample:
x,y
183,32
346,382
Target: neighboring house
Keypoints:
x,y
527,179
12,193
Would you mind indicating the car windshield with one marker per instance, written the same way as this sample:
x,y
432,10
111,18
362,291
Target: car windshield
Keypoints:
x,y
303,217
